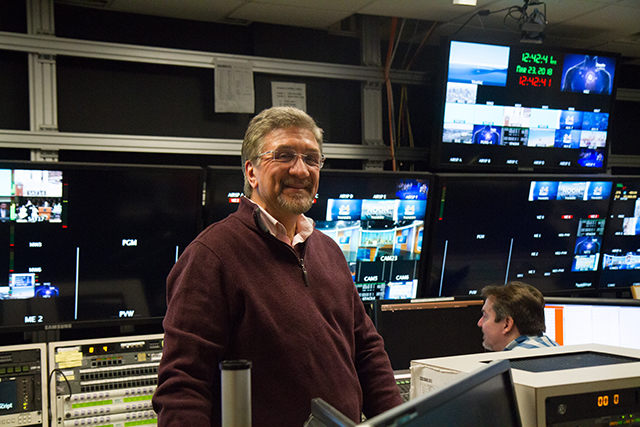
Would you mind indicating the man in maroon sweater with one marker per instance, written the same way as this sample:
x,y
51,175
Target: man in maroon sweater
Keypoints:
x,y
265,286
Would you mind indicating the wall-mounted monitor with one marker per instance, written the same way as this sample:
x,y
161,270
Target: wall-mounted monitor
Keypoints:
x,y
90,245
543,230
524,108
377,218
621,246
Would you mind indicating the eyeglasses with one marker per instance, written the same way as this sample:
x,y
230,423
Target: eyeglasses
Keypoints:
x,y
313,160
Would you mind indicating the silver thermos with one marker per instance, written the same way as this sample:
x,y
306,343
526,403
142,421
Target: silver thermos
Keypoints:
x,y
236,393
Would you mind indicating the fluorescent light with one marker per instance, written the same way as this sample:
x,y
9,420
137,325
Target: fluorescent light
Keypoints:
x,y
465,2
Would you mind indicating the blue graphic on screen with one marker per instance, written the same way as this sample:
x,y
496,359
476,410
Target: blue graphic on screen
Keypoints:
x,y
486,135
412,209
588,245
587,254
47,291
478,64
567,138
588,74
411,189
572,190
343,209
599,190
595,121
402,238
571,119
591,158
543,190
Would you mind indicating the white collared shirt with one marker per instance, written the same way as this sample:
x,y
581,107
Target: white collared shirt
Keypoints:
x,y
304,227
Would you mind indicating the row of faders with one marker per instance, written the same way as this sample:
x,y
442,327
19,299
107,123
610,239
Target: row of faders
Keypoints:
x,y
105,382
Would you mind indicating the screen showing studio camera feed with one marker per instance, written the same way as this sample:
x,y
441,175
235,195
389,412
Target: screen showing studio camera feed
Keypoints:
x,y
526,108
84,243
491,229
379,223
376,218
621,249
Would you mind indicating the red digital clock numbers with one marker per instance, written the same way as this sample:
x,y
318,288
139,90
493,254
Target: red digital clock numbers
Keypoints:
x,y
535,81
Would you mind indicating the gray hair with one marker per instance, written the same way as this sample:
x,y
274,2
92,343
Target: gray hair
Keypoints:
x,y
267,121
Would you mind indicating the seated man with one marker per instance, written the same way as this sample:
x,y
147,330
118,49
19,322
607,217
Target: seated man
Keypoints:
x,y
513,317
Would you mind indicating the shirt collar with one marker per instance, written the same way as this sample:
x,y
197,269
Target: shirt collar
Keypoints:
x,y
519,340
304,226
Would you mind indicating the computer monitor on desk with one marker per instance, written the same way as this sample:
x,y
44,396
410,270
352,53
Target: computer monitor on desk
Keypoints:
x,y
484,398
572,321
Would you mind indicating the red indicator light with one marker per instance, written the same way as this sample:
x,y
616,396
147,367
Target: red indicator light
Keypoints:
x,y
567,216
234,199
594,216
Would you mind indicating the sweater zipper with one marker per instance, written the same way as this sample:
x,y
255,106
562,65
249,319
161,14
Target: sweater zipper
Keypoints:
x,y
304,272
305,276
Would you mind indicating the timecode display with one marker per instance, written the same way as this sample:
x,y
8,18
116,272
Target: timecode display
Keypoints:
x,y
538,58
534,81
536,69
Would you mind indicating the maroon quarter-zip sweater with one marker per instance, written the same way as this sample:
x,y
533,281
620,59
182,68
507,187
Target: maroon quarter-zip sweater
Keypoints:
x,y
237,292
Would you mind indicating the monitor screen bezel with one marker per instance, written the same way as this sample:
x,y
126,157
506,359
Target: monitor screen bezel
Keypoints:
x,y
442,75
104,326
424,404
432,283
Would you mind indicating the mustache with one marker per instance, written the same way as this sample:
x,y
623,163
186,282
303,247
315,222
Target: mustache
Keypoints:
x,y
297,182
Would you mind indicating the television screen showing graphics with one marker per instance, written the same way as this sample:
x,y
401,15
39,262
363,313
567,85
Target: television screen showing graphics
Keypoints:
x,y
376,218
85,244
490,229
525,108
621,246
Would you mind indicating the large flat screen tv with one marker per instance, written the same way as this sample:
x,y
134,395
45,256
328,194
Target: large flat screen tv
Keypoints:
x,y
621,245
90,245
524,108
377,218
543,230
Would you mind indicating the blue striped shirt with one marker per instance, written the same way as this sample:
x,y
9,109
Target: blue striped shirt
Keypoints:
x,y
531,341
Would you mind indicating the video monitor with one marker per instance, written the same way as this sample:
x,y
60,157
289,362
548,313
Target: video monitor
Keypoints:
x,y
377,219
543,230
574,321
621,245
524,108
422,328
485,397
91,244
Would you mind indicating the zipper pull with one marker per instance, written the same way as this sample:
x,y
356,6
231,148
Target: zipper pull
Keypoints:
x,y
304,272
